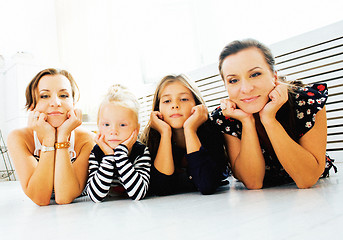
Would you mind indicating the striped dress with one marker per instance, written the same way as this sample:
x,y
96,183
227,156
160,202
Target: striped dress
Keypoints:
x,y
132,172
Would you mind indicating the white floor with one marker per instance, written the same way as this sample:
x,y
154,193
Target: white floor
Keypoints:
x,y
233,213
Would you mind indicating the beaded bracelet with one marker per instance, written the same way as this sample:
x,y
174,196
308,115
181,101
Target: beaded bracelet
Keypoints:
x,y
62,145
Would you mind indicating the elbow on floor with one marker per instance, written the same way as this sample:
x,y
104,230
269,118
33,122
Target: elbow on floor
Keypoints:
x,y
207,190
42,202
305,185
254,185
62,201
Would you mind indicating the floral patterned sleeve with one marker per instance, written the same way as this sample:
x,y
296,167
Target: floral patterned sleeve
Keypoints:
x,y
308,101
226,125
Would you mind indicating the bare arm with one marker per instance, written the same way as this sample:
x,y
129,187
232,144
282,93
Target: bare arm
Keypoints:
x,y
304,162
36,178
70,178
246,157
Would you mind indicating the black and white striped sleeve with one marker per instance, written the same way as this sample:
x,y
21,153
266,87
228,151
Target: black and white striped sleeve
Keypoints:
x,y
134,177
100,177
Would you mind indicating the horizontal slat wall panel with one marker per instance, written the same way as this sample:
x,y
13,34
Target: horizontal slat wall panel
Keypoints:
x,y
333,107
320,59
334,100
323,50
313,57
327,77
335,130
335,147
145,110
204,72
316,63
205,84
213,93
319,70
212,88
309,39
333,138
334,123
337,113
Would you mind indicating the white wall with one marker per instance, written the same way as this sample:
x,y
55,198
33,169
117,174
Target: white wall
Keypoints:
x,y
27,26
110,41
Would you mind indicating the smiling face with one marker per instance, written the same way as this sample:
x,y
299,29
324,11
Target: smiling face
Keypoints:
x,y
248,79
116,123
54,98
176,103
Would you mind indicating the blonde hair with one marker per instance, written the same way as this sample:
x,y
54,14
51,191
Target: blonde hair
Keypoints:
x,y
121,95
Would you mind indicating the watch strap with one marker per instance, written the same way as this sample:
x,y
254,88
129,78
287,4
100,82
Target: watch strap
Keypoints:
x,y
47,149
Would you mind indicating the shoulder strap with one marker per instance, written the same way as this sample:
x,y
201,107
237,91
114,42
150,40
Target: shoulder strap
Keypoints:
x,y
72,145
38,145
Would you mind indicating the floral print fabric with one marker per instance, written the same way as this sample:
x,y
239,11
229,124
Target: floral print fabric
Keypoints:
x,y
308,101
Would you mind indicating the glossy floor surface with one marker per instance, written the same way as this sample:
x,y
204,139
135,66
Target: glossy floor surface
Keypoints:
x,y
232,213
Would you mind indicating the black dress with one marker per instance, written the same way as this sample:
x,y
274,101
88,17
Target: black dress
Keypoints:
x,y
308,101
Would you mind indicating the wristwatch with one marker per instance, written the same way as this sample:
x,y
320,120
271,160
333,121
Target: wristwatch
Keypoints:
x,y
47,149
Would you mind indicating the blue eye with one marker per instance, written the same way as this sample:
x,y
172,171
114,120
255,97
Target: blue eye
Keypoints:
x,y
106,124
255,74
44,96
184,99
166,101
232,81
64,96
123,125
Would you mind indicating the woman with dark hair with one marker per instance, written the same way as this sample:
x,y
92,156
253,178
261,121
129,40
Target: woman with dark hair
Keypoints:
x,y
51,154
275,131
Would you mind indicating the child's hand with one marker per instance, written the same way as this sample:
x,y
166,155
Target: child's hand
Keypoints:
x,y
74,119
100,140
229,109
278,97
131,140
157,122
199,116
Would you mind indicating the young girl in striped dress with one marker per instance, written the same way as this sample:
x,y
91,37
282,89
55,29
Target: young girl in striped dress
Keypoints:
x,y
118,162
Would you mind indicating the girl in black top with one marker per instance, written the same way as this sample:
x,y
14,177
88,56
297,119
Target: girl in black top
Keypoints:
x,y
186,148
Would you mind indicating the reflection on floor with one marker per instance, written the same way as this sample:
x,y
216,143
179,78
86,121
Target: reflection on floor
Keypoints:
x,y
232,213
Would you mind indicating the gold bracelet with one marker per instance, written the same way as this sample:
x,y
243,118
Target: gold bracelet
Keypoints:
x,y
62,145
